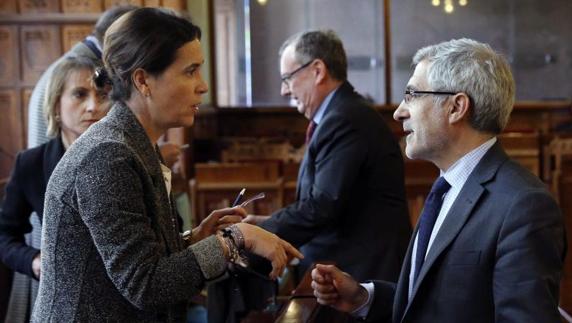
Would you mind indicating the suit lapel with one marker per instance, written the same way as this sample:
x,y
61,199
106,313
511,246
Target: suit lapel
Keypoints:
x,y
458,215
401,298
151,158
52,155
301,173
456,218
345,90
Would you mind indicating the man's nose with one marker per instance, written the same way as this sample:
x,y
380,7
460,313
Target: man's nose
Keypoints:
x,y
401,112
284,89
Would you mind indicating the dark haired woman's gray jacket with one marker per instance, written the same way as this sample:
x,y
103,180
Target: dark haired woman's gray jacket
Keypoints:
x,y
111,246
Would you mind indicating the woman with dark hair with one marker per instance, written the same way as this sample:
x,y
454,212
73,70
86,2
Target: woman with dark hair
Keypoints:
x,y
112,248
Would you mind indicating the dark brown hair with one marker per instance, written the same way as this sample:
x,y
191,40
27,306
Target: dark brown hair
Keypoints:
x,y
146,38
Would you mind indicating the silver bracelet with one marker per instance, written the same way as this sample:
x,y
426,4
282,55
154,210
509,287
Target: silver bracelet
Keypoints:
x,y
187,236
234,253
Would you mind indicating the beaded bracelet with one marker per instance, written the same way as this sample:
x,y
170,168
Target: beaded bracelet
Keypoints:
x,y
234,241
235,234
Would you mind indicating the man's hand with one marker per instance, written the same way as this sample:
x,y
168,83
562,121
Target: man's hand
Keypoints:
x,y
218,220
337,289
255,219
37,265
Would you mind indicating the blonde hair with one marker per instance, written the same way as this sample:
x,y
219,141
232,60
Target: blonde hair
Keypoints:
x,y
56,85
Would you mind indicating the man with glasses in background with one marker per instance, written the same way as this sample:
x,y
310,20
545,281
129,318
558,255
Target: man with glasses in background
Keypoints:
x,y
350,205
490,242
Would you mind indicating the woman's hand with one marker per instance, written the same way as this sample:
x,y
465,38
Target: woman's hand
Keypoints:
x,y
269,246
217,220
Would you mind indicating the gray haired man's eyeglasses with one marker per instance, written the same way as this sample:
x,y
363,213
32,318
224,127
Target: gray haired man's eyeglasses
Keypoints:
x,y
411,94
286,78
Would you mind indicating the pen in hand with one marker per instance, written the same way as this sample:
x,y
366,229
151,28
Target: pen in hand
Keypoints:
x,y
252,199
238,197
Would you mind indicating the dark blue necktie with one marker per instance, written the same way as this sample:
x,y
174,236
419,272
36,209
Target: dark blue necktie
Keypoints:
x,y
427,221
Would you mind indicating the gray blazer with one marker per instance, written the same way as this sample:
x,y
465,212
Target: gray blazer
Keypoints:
x,y
497,258
110,240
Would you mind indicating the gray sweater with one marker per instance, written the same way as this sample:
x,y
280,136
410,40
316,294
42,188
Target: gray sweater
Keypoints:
x,y
111,245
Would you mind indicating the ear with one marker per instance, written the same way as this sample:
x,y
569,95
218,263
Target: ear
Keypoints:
x,y
58,110
460,108
140,81
320,70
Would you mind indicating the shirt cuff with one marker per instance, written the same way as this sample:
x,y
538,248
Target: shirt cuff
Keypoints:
x,y
362,311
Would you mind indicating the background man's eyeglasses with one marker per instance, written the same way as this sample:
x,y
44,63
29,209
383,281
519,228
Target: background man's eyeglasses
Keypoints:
x,y
286,78
411,94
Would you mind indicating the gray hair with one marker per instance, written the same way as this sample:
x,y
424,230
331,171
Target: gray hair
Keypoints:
x,y
465,65
320,44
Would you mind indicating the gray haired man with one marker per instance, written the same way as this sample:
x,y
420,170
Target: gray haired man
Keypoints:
x,y
490,242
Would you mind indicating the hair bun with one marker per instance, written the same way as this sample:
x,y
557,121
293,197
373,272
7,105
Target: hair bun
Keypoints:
x,y
100,78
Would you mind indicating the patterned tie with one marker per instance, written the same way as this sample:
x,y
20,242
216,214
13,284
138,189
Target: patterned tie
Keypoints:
x,y
310,131
427,221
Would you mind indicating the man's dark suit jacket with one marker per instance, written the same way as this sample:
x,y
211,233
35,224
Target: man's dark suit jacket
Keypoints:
x,y
498,256
351,206
24,195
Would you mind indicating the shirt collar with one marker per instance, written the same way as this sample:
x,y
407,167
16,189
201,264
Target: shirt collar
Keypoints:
x,y
458,173
319,115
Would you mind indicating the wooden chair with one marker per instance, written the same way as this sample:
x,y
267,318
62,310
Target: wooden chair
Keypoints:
x,y
559,175
216,185
524,148
559,153
419,177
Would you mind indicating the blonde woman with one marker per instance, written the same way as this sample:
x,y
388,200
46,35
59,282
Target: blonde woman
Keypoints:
x,y
73,105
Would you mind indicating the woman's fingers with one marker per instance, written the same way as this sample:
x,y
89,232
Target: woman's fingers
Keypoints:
x,y
279,263
291,250
237,210
229,219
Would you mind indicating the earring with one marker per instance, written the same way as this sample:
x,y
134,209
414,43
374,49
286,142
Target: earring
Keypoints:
x,y
58,118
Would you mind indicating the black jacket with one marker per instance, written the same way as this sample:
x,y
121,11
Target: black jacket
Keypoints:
x,y
25,194
351,206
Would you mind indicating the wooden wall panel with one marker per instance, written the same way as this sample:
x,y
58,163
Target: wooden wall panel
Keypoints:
x,y
35,6
81,6
8,7
152,3
40,46
11,142
73,34
175,4
26,93
112,3
9,74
